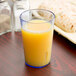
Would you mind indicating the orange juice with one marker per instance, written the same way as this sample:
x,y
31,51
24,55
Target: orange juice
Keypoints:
x,y
37,40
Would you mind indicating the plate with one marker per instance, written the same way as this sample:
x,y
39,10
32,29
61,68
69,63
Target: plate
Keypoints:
x,y
70,36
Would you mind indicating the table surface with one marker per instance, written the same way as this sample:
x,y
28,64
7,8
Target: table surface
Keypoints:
x,y
12,61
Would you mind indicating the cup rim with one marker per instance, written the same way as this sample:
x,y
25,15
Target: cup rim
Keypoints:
x,y
37,9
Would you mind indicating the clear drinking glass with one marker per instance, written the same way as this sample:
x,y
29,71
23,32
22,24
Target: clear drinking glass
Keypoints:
x,y
37,33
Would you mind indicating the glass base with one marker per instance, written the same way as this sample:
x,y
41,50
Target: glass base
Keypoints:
x,y
35,66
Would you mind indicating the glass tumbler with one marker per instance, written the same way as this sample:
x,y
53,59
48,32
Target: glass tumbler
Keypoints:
x,y
37,33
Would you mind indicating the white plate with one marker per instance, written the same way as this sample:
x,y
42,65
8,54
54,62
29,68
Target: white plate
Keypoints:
x,y
70,36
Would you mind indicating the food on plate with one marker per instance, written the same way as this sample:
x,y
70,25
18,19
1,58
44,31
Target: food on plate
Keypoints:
x,y
65,11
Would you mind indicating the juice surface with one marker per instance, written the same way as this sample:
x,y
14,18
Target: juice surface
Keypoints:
x,y
37,40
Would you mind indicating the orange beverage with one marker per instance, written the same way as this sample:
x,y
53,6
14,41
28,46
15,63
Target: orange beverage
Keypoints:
x,y
37,40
